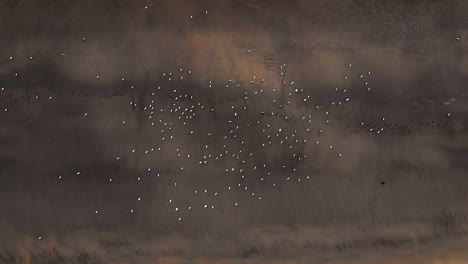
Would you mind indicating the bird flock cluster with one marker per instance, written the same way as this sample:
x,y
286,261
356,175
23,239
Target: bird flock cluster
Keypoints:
x,y
262,119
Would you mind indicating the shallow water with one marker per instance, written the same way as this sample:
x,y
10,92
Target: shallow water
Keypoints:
x,y
330,130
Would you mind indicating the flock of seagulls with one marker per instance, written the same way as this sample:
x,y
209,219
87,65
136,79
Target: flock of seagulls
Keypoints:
x,y
240,134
